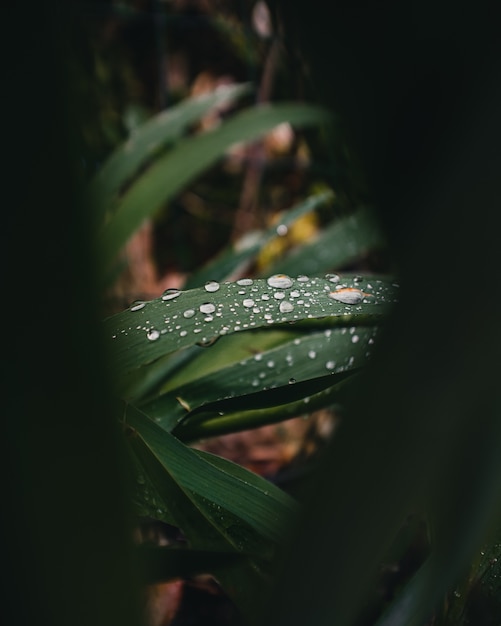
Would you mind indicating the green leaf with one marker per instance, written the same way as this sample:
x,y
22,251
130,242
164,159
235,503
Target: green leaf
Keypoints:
x,y
150,330
262,379
218,506
229,419
160,131
344,241
171,172
233,258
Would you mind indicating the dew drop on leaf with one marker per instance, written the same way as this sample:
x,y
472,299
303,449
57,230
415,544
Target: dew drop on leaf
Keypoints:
x,y
292,381
281,281
207,308
330,365
355,339
348,295
153,334
248,303
137,306
189,313
245,282
302,279
286,307
211,286
207,343
170,294
333,278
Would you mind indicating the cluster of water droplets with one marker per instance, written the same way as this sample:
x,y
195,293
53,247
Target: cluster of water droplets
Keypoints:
x,y
248,303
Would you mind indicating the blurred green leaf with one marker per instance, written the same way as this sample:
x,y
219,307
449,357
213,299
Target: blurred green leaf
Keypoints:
x,y
230,260
144,143
346,240
171,172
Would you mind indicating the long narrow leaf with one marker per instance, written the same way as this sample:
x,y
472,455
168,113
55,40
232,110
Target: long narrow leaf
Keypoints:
x,y
266,379
150,330
168,175
344,241
226,263
241,512
158,132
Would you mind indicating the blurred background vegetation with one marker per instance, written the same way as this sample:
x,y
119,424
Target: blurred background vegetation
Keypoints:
x,y
134,59
130,60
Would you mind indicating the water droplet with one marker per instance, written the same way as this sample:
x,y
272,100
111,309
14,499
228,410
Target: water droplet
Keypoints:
x,y
206,343
258,356
292,381
183,333
170,294
348,295
312,354
333,278
189,313
279,295
248,303
286,307
244,282
207,307
137,306
153,334
281,281
302,279
282,230
295,294
211,286
330,365
271,364
355,339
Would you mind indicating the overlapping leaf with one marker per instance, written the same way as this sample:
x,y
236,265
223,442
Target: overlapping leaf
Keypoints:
x,y
233,258
157,133
218,506
344,241
170,172
150,330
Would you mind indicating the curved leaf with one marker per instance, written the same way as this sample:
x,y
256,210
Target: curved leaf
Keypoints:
x,y
240,513
344,241
150,330
264,379
144,143
230,260
171,172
